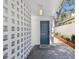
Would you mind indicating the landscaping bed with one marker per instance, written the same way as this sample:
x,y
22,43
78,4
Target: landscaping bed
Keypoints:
x,y
66,40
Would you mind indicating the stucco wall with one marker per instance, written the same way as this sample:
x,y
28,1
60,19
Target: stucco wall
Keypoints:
x,y
36,28
67,30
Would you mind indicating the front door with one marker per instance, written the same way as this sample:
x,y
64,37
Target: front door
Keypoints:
x,y
44,32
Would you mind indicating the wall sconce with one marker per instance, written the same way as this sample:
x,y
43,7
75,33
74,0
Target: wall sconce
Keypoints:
x,y
41,12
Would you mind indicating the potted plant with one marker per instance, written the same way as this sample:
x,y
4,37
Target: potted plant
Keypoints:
x,y
72,42
56,33
68,39
73,39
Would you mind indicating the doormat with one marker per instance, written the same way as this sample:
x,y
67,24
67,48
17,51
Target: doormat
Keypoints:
x,y
44,46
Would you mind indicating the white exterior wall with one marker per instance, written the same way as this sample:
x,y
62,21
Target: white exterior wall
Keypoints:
x,y
67,30
36,28
16,27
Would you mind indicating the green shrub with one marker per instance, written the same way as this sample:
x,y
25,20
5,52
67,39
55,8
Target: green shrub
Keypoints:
x,y
57,33
68,39
65,37
73,38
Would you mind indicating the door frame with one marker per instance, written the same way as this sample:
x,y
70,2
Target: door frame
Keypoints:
x,y
48,31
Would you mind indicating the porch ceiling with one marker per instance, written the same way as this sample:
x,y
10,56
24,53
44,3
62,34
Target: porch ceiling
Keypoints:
x,y
49,7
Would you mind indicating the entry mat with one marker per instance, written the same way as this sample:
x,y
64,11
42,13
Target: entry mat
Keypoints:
x,y
55,51
44,46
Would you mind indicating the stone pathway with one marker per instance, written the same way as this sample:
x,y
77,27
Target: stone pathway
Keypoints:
x,y
55,51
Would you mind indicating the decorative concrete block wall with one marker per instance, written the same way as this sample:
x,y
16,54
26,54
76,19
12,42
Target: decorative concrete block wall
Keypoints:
x,y
16,29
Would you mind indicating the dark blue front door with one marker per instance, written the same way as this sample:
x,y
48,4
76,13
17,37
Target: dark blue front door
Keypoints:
x,y
44,32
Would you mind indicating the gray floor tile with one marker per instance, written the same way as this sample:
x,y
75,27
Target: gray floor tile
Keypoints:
x,y
56,51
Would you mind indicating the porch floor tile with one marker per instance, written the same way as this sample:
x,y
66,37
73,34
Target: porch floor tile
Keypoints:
x,y
55,51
